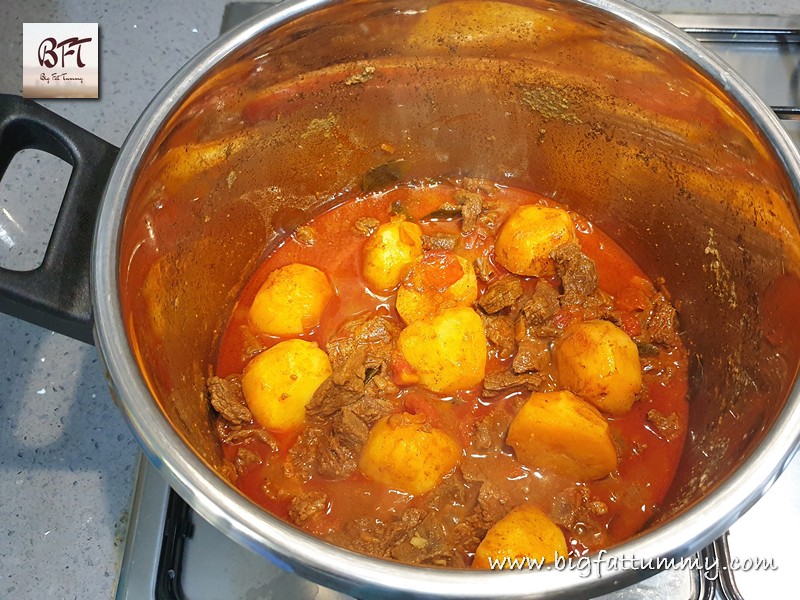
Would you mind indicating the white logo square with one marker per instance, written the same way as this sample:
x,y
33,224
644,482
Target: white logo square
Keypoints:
x,y
60,60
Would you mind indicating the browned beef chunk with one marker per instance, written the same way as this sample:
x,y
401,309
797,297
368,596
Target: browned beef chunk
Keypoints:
x,y
533,354
362,345
301,460
471,207
345,431
501,294
598,306
492,503
492,506
221,428
335,459
349,428
228,471
370,408
328,399
245,458
365,226
542,305
449,495
419,536
351,371
228,400
494,383
647,350
345,434
482,438
380,384
349,401
306,506
575,510
662,325
491,430
474,185
500,333
667,426
426,543
241,435
439,241
577,271
400,528
374,537
483,268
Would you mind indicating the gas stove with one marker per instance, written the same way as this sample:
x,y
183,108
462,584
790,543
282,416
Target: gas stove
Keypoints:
x,y
171,553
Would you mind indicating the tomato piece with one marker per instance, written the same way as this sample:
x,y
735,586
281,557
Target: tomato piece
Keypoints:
x,y
419,405
436,271
565,317
402,371
630,324
636,295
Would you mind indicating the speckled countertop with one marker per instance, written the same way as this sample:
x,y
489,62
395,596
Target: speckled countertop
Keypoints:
x,y
67,458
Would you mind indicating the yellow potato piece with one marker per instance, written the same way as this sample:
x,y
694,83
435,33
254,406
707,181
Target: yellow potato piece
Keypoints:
x,y
600,363
529,235
559,433
389,251
429,286
279,382
405,453
447,351
525,532
486,25
291,300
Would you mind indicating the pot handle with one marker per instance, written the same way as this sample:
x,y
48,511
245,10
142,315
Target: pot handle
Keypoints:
x,y
56,294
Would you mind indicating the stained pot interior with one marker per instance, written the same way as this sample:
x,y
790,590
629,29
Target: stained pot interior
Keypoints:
x,y
558,98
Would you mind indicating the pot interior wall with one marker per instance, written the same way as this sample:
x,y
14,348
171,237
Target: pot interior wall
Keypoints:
x,y
558,98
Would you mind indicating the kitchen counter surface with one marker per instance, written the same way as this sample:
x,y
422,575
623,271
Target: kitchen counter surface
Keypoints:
x,y
67,458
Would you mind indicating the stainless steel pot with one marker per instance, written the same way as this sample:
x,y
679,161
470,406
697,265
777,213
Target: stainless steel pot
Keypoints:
x,y
594,102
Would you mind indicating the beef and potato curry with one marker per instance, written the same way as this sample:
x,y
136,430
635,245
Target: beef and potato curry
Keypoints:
x,y
447,372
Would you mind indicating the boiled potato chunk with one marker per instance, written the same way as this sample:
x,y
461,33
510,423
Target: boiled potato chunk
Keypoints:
x,y
528,237
279,382
291,300
389,251
525,532
447,351
436,280
405,453
558,432
600,363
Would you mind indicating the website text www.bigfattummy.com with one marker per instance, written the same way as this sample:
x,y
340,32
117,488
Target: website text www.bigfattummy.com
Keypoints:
x,y
588,566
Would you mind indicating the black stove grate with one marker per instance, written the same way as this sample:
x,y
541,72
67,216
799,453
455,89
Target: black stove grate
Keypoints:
x,y
781,37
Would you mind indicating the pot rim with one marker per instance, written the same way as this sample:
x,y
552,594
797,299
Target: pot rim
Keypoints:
x,y
238,518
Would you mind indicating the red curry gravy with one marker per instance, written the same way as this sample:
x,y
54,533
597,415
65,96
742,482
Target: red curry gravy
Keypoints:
x,y
604,512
